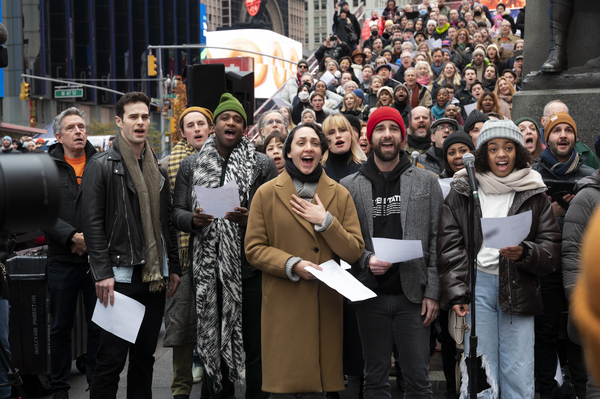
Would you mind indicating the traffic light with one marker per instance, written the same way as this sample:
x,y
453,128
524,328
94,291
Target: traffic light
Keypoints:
x,y
172,125
24,91
152,65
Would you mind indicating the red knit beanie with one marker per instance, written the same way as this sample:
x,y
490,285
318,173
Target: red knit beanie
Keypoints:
x,y
385,114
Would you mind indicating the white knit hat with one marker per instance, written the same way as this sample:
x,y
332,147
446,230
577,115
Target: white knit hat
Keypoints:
x,y
494,129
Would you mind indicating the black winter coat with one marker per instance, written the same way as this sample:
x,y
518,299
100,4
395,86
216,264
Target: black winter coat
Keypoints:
x,y
519,291
68,222
112,225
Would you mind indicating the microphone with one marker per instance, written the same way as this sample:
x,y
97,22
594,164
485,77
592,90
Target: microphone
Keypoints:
x,y
415,156
469,159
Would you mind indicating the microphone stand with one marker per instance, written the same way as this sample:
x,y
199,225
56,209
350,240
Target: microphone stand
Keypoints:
x,y
473,277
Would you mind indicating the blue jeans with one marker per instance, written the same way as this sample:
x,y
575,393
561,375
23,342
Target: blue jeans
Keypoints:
x,y
505,341
380,321
4,391
65,280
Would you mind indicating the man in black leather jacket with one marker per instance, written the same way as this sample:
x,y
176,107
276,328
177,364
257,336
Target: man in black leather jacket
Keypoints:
x,y
132,246
217,252
68,267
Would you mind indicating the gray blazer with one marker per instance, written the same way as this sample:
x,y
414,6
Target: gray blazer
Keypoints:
x,y
421,206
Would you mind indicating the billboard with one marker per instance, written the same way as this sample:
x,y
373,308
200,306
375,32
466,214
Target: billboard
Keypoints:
x,y
492,4
269,73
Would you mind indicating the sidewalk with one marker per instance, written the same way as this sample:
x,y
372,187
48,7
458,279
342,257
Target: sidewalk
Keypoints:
x,y
163,374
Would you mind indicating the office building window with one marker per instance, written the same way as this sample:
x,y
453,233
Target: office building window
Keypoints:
x,y
316,21
316,4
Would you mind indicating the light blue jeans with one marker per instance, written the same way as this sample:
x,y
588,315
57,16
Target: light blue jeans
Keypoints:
x,y
4,391
506,343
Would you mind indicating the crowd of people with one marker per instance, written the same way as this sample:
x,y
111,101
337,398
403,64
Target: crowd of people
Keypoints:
x,y
361,152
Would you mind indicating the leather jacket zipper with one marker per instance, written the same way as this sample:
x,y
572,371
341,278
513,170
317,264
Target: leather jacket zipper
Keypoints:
x,y
127,222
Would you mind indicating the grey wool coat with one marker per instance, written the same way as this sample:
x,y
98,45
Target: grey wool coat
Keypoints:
x,y
421,206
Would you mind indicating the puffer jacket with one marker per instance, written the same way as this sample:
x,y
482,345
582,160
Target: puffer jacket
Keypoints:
x,y
112,225
519,284
580,211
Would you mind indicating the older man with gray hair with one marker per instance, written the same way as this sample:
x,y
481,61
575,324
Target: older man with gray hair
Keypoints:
x,y
68,267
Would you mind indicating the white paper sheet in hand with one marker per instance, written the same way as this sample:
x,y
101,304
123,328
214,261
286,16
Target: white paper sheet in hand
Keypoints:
x,y
327,77
123,319
506,232
469,108
394,251
218,201
445,185
341,281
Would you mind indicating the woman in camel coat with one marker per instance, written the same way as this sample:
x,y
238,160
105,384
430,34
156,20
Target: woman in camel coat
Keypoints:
x,y
301,218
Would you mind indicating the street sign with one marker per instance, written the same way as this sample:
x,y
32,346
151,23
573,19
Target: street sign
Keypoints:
x,y
64,93
171,96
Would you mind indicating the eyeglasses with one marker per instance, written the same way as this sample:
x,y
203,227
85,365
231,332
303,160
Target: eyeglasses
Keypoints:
x,y
441,128
273,121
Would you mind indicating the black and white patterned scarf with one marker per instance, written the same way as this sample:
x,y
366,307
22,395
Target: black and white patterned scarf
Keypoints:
x,y
217,257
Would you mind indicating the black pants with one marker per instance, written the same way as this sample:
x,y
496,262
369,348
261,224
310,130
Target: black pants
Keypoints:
x,y
113,350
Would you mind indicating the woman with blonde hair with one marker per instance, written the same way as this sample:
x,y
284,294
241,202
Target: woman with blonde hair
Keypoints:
x,y
424,48
424,74
344,156
350,105
504,91
449,75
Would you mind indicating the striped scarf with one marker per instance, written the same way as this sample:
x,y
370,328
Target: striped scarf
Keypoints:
x,y
562,170
217,261
182,150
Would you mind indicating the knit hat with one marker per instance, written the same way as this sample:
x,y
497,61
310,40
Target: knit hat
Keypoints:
x,y
493,45
479,51
431,22
203,111
458,136
359,93
474,117
40,140
525,118
385,114
494,129
229,103
7,138
440,121
561,117
308,110
385,88
389,22
354,121
302,61
400,86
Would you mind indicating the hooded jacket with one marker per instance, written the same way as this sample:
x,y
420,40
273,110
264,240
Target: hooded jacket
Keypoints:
x,y
519,284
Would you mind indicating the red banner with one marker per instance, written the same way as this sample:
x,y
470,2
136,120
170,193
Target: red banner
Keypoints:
x,y
492,4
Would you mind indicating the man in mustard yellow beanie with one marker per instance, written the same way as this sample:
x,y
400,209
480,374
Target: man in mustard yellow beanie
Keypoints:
x,y
227,288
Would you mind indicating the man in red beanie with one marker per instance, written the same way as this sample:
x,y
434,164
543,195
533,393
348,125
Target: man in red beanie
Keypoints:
x,y
398,201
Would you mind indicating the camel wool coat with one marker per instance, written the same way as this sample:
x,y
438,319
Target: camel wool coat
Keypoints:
x,y
301,329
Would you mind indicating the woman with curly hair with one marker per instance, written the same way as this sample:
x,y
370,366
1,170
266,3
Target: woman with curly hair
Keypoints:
x,y
507,294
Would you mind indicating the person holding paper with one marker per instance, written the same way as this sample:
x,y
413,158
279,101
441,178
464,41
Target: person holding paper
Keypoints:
x,y
506,37
396,200
132,247
298,220
507,293
227,287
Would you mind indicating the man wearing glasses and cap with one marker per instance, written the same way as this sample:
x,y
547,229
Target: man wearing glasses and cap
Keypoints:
x,y
433,159
291,86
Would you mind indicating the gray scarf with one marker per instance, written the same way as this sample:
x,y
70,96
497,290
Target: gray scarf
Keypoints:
x,y
147,186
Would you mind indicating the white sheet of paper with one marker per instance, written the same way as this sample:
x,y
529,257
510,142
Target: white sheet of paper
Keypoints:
x,y
123,319
445,185
507,46
430,43
327,77
218,201
345,265
394,251
394,67
341,281
506,232
558,376
437,44
359,74
469,108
